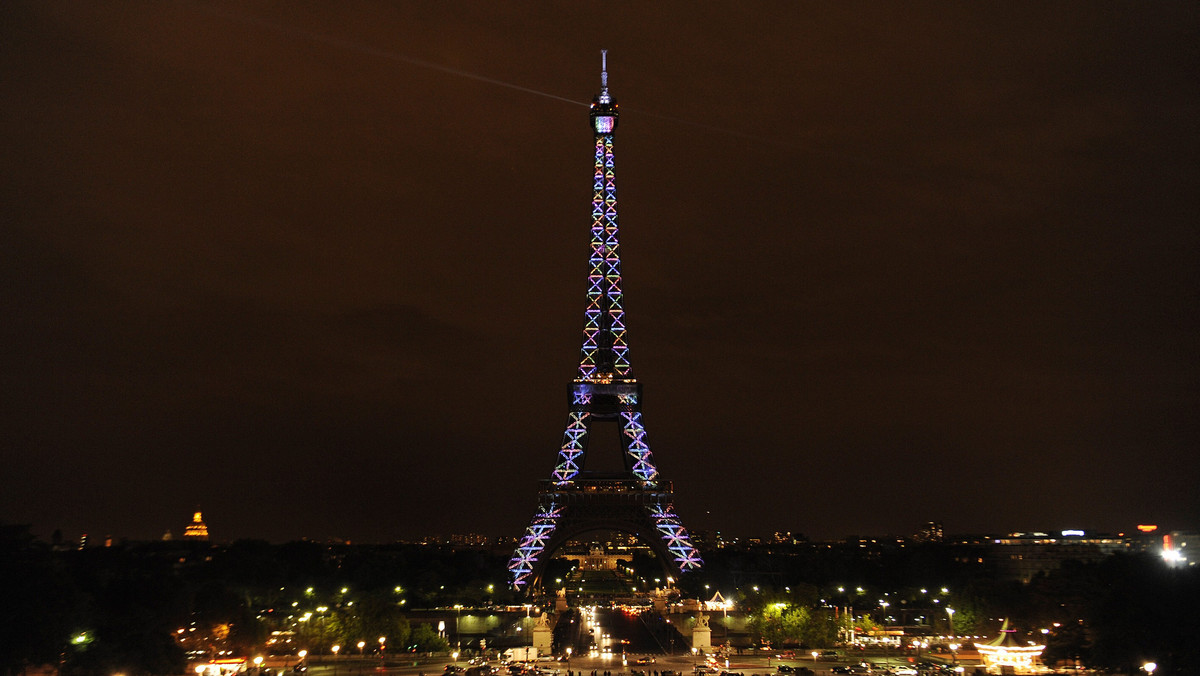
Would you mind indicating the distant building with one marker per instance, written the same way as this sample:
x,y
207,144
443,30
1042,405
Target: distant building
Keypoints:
x,y
930,532
1179,547
468,540
196,530
1021,556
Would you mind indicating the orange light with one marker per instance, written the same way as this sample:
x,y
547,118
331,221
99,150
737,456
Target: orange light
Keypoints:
x,y
1147,528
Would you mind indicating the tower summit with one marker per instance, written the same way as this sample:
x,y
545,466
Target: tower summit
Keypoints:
x,y
604,108
604,394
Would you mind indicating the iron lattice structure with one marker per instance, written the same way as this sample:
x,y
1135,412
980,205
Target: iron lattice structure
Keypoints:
x,y
575,501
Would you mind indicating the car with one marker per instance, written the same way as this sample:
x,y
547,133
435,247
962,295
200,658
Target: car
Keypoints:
x,y
784,669
645,660
904,671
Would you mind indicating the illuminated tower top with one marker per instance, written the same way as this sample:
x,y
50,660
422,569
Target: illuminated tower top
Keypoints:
x,y
604,108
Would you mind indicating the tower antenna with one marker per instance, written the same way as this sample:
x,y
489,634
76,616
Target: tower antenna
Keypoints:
x,y
604,98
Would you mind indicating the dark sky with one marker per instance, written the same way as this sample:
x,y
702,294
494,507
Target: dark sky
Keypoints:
x,y
319,268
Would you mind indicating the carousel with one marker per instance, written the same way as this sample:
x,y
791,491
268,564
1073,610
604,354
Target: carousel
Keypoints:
x,y
1007,655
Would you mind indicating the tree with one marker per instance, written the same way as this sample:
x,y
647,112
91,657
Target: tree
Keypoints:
x,y
424,638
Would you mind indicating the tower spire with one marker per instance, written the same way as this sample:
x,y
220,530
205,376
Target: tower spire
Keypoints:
x,y
604,108
604,98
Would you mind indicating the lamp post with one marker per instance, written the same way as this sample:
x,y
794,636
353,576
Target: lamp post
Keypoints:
x,y
362,645
725,629
568,659
382,647
887,642
334,649
950,613
457,636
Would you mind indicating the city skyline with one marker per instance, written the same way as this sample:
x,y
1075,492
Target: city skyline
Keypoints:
x,y
320,270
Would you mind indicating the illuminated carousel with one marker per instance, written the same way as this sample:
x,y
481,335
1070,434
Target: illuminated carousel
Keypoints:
x,y
1007,655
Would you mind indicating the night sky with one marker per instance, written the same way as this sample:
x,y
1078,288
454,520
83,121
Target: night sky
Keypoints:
x,y
319,268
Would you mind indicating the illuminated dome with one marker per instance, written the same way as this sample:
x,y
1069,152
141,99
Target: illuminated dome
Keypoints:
x,y
1006,655
196,530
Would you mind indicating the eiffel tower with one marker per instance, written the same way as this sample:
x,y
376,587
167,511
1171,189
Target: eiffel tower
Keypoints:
x,y
574,500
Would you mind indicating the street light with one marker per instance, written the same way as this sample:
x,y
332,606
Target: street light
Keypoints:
x,y
1149,667
950,612
382,646
334,649
361,648
568,659
457,636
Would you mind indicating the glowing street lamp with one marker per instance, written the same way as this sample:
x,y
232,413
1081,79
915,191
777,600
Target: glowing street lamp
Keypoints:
x,y
457,635
950,612
1149,667
361,647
